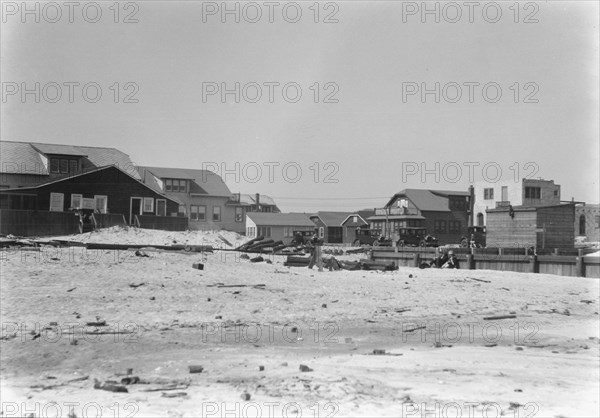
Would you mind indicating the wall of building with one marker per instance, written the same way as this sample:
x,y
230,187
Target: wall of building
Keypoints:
x,y
591,217
547,227
504,231
446,238
249,224
8,180
111,182
277,233
350,227
558,222
331,234
227,221
515,194
26,223
550,193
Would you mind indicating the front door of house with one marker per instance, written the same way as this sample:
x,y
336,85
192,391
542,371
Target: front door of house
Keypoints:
x,y
135,209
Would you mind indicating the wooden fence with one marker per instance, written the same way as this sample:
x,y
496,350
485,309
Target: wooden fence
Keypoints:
x,y
30,223
506,259
166,223
106,220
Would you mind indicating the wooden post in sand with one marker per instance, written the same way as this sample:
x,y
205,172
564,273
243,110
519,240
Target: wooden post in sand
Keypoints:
x,y
533,264
416,260
470,262
579,265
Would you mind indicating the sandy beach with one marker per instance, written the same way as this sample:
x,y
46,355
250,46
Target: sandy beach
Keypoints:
x,y
398,343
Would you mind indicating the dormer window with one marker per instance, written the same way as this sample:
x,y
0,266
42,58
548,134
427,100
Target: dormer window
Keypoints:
x,y
64,166
175,185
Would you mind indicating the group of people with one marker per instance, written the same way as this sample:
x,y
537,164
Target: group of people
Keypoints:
x,y
447,260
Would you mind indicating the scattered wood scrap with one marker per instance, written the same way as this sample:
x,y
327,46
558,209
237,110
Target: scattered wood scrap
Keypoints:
x,y
222,285
109,386
222,238
97,323
479,280
135,286
493,318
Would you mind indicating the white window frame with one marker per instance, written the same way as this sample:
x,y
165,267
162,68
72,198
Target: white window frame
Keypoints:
x,y
214,212
147,200
77,196
98,197
55,208
165,207
241,217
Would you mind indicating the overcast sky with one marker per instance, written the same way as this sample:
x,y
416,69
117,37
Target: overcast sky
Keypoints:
x,y
370,124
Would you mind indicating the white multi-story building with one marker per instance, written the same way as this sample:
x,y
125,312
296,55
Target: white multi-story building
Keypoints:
x,y
527,192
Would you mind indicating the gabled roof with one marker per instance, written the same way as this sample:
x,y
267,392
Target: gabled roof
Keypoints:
x,y
365,213
428,200
20,158
26,157
280,219
64,178
203,181
360,218
332,218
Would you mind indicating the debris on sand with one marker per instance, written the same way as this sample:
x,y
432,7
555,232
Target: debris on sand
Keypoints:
x,y
196,369
304,368
130,380
135,286
174,395
415,329
110,386
245,396
479,280
492,318
198,266
96,323
222,238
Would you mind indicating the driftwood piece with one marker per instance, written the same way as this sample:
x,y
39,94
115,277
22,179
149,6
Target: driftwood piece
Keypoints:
x,y
491,318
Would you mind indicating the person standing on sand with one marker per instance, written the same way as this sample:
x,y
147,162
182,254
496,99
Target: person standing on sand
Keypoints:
x,y
316,253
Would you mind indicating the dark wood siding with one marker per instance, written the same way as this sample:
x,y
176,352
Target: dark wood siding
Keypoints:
x,y
526,228
559,224
446,238
111,182
504,231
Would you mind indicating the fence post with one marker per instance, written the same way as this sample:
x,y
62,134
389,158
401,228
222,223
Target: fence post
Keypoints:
x,y
533,264
579,266
470,262
416,260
